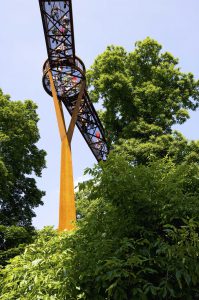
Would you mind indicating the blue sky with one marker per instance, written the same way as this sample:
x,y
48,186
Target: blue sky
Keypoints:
x,y
173,23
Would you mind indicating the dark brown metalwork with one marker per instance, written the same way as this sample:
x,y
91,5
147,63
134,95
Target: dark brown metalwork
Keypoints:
x,y
68,72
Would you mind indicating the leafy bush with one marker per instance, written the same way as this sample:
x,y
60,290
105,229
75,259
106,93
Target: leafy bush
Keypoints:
x,y
13,240
118,250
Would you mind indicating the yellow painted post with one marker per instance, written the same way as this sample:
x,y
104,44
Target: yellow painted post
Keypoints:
x,y
67,211
75,112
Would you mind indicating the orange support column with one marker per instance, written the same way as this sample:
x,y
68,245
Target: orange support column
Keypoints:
x,y
67,211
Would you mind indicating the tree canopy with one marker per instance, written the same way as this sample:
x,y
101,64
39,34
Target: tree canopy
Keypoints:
x,y
20,158
143,91
13,240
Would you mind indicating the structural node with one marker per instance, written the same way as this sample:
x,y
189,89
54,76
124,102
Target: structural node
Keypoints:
x,y
68,75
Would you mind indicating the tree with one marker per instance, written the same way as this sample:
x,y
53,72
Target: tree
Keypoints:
x,y
143,89
139,230
174,146
20,158
13,240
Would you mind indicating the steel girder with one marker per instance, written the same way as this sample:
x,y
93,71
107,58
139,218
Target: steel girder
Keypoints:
x,y
68,72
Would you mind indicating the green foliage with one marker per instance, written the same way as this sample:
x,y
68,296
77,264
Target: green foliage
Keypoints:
x,y
19,159
174,146
13,240
138,240
38,273
144,87
137,236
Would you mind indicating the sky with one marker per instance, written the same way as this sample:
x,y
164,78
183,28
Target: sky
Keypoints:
x,y
97,24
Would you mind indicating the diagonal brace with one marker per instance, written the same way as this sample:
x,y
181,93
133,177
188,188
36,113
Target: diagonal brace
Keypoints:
x,y
58,109
75,112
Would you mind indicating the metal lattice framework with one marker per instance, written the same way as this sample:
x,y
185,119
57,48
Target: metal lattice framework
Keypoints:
x,y
68,72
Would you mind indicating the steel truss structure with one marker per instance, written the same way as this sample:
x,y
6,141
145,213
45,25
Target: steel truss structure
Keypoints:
x,y
68,72
64,79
